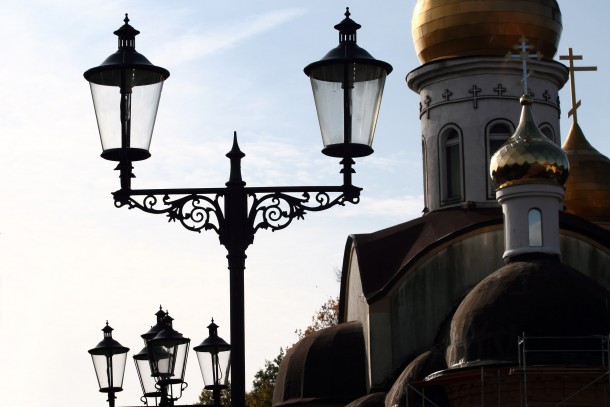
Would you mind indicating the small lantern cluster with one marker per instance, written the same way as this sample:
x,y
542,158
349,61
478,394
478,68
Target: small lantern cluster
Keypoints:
x,y
161,364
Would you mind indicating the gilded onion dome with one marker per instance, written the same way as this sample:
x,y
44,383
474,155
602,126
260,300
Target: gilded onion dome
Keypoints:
x,y
528,157
454,28
588,188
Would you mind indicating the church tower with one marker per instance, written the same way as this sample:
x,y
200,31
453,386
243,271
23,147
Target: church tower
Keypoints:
x,y
469,89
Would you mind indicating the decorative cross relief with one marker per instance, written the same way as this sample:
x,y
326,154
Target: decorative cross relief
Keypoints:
x,y
475,93
447,94
571,57
500,90
523,53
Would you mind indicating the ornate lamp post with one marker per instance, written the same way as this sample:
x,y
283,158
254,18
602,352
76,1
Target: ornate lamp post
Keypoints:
x,y
109,358
347,85
213,356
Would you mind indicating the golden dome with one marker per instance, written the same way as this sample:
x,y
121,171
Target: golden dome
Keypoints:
x,y
528,157
454,28
588,188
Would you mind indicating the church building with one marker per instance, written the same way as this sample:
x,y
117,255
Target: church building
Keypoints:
x,y
498,295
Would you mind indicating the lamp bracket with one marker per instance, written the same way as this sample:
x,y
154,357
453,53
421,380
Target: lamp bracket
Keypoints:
x,y
269,208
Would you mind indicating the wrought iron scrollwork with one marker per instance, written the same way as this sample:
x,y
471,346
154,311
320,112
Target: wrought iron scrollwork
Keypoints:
x,y
194,212
277,210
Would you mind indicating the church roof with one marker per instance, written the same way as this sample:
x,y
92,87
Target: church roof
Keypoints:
x,y
588,187
453,28
386,255
326,367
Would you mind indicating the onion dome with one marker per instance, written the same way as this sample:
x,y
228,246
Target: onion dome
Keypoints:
x,y
537,298
588,188
528,157
455,28
327,367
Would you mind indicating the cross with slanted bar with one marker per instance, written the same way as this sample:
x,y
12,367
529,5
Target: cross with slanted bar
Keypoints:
x,y
571,57
523,49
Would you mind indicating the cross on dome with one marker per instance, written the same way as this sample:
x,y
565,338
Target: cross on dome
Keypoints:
x,y
523,52
571,58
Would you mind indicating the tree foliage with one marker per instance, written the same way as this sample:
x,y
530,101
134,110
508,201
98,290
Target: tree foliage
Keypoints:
x,y
326,316
206,397
261,394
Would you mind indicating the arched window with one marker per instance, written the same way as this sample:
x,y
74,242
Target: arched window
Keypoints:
x,y
534,221
547,130
451,165
497,134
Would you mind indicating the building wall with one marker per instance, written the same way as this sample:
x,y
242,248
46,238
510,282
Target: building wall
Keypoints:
x,y
429,293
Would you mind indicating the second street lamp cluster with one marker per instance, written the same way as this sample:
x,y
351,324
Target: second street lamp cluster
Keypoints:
x,y
347,84
161,364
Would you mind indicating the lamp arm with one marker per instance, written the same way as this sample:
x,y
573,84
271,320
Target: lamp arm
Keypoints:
x,y
195,209
278,207
271,208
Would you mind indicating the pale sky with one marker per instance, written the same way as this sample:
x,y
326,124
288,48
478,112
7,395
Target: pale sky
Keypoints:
x,y
71,260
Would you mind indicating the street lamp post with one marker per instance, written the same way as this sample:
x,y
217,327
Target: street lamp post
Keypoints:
x,y
347,85
213,356
109,358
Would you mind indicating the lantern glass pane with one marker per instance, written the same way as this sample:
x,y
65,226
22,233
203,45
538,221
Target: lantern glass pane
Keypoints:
x,y
142,108
110,371
214,367
168,362
147,381
363,89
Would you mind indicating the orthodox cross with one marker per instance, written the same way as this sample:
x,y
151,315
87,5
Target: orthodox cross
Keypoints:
x,y
447,94
571,57
523,53
475,93
546,95
500,90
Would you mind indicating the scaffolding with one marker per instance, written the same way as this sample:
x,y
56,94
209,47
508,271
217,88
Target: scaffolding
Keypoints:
x,y
574,352
552,371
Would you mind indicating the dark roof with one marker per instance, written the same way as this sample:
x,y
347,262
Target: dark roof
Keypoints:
x,y
384,256
327,366
538,298
370,400
400,395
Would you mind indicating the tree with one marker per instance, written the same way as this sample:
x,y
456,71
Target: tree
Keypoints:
x,y
207,399
326,316
264,383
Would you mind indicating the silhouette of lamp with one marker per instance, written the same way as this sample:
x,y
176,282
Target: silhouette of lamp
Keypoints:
x,y
213,355
126,88
109,359
167,355
142,362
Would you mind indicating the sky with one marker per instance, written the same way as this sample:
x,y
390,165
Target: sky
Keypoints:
x,y
70,260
